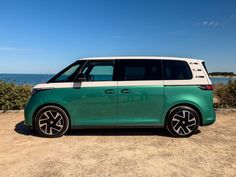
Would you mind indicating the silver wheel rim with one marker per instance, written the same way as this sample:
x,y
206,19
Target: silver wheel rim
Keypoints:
x,y
184,122
51,122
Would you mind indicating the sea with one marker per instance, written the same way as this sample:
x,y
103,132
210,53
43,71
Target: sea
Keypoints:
x,y
26,79
34,79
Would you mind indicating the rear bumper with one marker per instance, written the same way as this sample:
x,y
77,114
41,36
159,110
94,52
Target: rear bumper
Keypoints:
x,y
210,119
209,122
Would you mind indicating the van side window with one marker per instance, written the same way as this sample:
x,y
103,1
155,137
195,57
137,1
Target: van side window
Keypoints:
x,y
176,70
133,70
99,70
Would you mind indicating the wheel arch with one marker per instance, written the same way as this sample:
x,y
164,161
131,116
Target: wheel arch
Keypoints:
x,y
50,104
184,104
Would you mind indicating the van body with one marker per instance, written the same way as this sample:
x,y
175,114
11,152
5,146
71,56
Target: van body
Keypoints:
x,y
170,92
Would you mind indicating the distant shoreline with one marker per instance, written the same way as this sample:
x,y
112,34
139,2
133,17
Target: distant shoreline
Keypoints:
x,y
3,74
222,76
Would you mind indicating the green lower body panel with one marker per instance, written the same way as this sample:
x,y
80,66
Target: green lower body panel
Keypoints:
x,y
202,100
126,106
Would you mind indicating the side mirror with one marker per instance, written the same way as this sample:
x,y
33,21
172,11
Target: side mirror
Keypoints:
x,y
81,77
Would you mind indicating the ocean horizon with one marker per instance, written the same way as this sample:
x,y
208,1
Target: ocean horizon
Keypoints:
x,y
34,79
26,79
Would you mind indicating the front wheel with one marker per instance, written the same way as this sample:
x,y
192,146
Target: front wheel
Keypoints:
x,y
51,121
183,121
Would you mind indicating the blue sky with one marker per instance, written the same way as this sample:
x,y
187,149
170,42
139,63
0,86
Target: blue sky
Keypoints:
x,y
43,36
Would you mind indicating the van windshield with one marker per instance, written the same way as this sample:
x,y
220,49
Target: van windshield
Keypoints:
x,y
68,74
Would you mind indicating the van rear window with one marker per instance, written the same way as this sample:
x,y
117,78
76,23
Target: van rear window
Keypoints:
x,y
204,65
176,70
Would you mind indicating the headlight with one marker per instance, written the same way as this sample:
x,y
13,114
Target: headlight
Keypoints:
x,y
36,90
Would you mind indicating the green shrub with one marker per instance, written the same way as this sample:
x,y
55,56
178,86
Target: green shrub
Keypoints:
x,y
226,94
12,96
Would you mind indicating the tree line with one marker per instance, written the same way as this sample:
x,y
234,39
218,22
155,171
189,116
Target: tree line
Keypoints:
x,y
222,74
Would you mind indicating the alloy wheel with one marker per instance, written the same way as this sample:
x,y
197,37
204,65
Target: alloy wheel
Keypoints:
x,y
184,122
51,122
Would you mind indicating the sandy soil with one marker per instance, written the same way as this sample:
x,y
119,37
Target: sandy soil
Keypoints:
x,y
132,152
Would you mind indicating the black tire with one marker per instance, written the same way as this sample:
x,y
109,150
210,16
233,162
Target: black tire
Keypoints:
x,y
182,121
51,121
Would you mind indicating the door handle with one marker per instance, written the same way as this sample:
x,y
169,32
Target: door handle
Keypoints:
x,y
109,91
125,91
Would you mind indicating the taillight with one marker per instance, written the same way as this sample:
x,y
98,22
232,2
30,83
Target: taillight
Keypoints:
x,y
206,87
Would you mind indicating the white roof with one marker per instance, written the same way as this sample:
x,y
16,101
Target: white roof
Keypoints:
x,y
140,57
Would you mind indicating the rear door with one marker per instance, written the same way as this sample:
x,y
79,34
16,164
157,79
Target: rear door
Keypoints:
x,y
140,92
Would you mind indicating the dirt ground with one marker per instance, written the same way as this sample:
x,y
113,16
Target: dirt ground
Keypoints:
x,y
118,152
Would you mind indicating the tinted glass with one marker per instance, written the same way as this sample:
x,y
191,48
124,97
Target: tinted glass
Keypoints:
x,y
99,70
68,74
204,65
133,70
176,70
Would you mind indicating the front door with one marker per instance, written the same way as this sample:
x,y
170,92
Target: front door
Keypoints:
x,y
140,92
96,97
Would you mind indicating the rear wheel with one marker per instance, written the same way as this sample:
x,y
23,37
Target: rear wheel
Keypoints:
x,y
51,121
182,121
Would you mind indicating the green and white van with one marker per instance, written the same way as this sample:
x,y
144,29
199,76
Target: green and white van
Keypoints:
x,y
170,92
